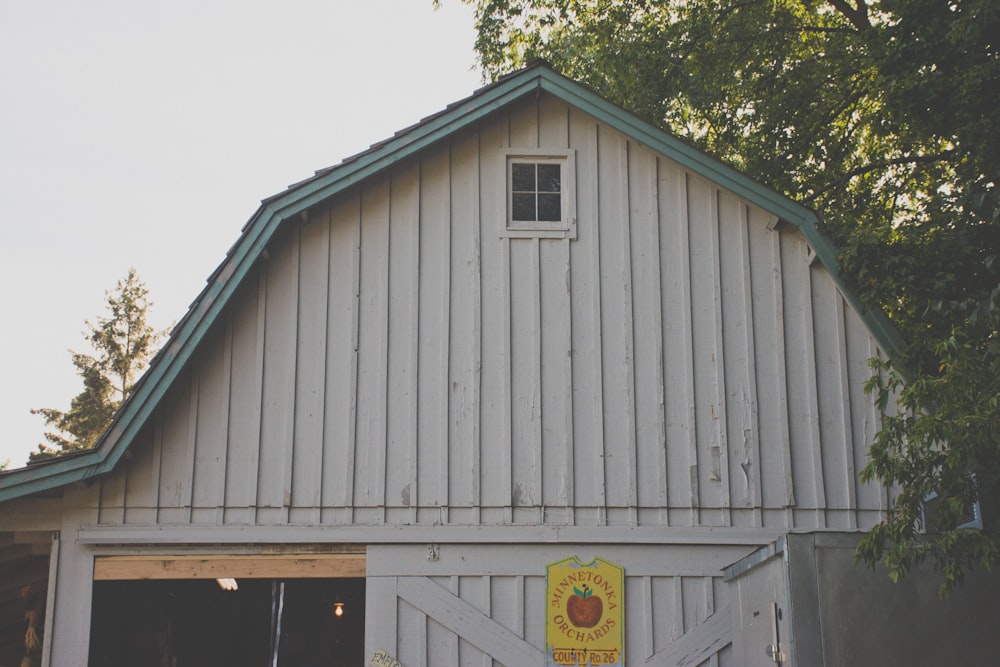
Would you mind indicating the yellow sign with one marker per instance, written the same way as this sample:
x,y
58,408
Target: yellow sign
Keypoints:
x,y
585,621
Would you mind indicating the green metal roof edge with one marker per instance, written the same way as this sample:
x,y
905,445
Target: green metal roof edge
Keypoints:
x,y
262,226
245,252
804,218
45,476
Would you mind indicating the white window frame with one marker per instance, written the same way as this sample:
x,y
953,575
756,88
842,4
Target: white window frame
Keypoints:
x,y
976,520
557,229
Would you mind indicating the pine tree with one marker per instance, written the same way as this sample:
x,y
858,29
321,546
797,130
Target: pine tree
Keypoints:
x,y
122,342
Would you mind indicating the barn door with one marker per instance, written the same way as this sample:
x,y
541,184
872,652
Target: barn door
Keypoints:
x,y
484,605
763,627
421,621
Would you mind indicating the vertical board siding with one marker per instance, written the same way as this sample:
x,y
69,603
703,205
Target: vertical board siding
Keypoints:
x,y
616,335
521,275
737,418
431,401
659,609
474,590
177,455
142,479
245,324
373,327
442,644
555,347
112,500
464,329
707,354
395,359
310,373
277,425
865,419
525,377
556,362
208,481
647,313
744,420
800,365
400,452
768,372
585,304
494,433
340,409
837,451
678,376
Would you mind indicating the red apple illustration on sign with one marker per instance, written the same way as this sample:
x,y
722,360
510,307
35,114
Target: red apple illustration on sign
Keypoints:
x,y
584,608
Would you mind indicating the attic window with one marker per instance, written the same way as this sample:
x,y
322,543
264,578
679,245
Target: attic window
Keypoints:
x,y
536,191
540,196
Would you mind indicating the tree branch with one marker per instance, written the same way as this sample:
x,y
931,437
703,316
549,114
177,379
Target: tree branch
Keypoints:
x,y
876,166
858,15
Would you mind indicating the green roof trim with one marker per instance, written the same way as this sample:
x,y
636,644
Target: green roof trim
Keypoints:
x,y
260,229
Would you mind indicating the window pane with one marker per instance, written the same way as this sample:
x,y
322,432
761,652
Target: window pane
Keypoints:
x,y
548,178
523,206
523,177
549,207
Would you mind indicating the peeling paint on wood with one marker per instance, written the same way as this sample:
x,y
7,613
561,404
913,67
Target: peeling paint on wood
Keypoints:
x,y
397,361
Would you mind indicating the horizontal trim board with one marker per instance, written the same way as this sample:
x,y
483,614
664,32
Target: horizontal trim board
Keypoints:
x,y
639,560
762,555
329,566
102,535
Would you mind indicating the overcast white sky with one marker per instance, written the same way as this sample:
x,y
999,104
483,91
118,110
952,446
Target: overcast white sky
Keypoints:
x,y
144,134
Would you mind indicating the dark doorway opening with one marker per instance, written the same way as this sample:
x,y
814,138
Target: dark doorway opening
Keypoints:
x,y
195,623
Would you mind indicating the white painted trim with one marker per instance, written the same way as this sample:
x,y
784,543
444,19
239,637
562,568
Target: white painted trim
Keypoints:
x,y
467,622
566,228
381,615
50,600
697,644
473,560
339,535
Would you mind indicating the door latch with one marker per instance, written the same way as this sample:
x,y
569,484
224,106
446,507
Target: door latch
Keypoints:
x,y
773,650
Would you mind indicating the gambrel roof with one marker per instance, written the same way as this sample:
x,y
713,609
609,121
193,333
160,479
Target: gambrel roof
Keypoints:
x,y
299,198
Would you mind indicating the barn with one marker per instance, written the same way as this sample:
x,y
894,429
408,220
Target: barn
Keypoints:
x,y
529,353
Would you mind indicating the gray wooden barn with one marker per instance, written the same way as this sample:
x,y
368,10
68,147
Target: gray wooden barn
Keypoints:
x,y
529,327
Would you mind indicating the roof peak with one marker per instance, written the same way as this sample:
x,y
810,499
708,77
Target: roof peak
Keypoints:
x,y
296,200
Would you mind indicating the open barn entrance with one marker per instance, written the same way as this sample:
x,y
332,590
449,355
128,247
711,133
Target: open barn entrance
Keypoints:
x,y
25,559
197,623
152,611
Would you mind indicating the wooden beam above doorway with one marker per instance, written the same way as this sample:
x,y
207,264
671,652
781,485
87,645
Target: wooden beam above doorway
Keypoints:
x,y
318,566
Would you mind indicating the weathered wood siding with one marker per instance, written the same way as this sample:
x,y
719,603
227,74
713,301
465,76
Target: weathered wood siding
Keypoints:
x,y
472,602
682,362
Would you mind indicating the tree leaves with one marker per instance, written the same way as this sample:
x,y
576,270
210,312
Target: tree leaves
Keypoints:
x,y
884,116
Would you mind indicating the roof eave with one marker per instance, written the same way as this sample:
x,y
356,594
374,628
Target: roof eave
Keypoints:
x,y
225,280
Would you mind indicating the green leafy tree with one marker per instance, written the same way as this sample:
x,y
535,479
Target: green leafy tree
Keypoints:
x,y
884,116
122,342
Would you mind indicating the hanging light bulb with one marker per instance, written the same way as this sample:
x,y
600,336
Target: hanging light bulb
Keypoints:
x,y
227,584
338,609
